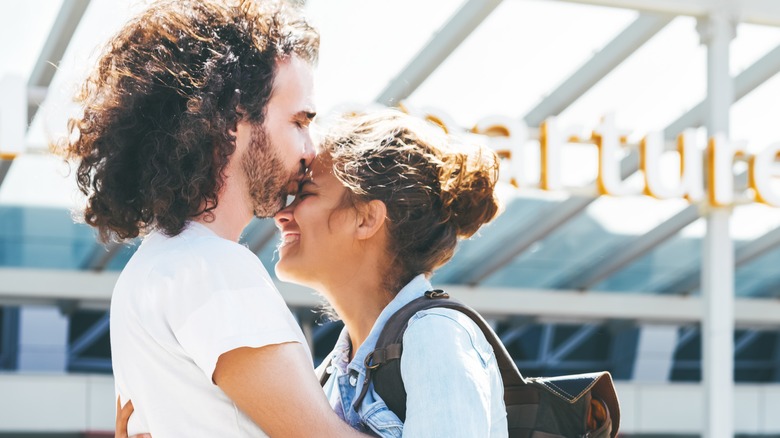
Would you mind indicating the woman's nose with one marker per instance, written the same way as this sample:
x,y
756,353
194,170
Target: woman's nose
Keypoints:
x,y
283,216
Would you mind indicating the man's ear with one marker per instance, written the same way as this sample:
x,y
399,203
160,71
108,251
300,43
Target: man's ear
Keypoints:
x,y
371,219
240,116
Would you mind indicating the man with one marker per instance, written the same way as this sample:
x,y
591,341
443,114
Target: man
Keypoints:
x,y
195,119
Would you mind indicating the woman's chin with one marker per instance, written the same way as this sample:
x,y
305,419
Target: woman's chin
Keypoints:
x,y
285,273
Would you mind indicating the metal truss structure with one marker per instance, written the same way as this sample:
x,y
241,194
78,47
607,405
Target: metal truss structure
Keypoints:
x,y
569,323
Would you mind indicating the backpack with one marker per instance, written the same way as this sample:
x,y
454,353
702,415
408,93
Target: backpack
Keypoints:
x,y
583,405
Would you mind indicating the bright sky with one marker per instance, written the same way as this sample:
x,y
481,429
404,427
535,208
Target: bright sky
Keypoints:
x,y
512,61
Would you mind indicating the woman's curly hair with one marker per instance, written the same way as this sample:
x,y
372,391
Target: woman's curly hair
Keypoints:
x,y
435,188
154,137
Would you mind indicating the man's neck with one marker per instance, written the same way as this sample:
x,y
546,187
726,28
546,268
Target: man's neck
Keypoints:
x,y
231,215
223,229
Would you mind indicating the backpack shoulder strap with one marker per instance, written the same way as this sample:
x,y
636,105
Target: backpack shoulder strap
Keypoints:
x,y
324,375
506,365
383,364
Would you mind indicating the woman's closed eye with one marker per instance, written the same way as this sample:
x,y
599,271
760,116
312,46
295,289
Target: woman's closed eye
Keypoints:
x,y
303,195
306,189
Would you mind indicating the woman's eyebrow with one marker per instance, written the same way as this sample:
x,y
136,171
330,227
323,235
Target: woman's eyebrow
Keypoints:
x,y
308,182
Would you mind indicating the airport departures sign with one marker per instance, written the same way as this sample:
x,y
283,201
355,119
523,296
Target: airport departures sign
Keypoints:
x,y
706,171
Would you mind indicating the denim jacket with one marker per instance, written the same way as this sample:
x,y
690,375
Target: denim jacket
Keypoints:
x,y
453,385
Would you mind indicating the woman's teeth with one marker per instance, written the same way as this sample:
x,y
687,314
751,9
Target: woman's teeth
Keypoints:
x,y
290,238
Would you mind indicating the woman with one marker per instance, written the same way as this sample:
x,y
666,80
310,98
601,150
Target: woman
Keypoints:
x,y
383,206
385,202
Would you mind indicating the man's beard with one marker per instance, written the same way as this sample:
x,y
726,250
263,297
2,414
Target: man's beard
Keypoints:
x,y
266,176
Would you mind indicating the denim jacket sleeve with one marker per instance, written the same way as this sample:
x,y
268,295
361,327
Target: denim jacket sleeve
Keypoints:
x,y
452,382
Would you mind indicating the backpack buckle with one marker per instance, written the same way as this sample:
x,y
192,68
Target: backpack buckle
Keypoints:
x,y
436,293
372,362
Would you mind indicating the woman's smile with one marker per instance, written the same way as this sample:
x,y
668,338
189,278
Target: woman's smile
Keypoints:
x,y
318,212
289,238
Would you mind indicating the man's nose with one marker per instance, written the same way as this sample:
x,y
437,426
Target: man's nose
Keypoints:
x,y
308,152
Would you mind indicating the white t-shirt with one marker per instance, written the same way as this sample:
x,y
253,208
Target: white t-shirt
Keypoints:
x,y
178,305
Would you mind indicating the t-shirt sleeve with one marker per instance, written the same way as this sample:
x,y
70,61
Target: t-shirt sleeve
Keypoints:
x,y
230,319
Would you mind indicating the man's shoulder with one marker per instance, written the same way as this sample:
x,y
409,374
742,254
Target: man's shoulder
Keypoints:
x,y
216,250
190,269
190,257
189,247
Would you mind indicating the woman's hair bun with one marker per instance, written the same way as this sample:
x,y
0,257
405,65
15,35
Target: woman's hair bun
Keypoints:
x,y
468,180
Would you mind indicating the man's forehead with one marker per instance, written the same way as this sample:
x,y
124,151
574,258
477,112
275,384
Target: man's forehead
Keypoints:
x,y
294,78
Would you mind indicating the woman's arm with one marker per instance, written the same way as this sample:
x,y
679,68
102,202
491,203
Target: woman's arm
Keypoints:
x,y
276,387
446,369
122,418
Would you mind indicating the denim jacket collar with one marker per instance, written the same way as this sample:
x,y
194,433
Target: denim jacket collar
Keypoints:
x,y
414,289
374,417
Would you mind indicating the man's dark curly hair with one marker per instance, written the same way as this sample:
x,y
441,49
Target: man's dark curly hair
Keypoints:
x,y
154,137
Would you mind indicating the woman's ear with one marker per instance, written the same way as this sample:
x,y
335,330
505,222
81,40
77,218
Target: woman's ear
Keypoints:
x,y
371,219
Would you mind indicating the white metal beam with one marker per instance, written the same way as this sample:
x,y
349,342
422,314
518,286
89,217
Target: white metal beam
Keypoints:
x,y
93,290
691,280
766,12
5,164
548,221
565,348
443,43
684,284
101,255
13,114
61,32
84,289
765,289
594,273
717,267
36,95
655,353
644,27
758,247
89,336
85,404
687,334
258,234
577,306
745,82
598,66
745,341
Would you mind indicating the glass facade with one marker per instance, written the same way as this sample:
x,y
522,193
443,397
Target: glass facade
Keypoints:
x,y
48,238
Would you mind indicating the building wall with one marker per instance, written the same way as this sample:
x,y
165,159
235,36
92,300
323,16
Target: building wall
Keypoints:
x,y
71,403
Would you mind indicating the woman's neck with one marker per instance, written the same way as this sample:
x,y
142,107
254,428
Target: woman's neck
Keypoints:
x,y
358,301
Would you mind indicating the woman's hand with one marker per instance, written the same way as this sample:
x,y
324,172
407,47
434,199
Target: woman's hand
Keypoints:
x,y
122,417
